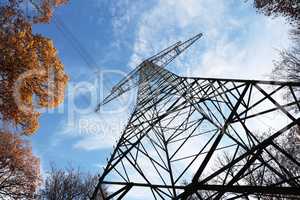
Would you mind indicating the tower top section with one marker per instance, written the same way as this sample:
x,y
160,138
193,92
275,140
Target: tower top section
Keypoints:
x,y
161,59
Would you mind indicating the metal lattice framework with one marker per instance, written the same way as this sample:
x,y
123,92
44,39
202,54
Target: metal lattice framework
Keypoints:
x,y
182,127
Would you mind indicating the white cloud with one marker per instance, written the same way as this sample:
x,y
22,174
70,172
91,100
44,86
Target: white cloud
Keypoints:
x,y
89,129
96,130
124,15
99,132
237,42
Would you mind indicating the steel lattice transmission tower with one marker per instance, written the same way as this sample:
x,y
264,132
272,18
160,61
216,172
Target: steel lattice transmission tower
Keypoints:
x,y
182,127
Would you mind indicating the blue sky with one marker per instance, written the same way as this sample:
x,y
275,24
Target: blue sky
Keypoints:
x,y
110,37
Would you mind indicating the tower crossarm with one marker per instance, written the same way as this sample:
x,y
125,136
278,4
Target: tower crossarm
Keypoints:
x,y
126,84
161,59
167,55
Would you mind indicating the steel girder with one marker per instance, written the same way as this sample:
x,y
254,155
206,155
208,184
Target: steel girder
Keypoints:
x,y
182,128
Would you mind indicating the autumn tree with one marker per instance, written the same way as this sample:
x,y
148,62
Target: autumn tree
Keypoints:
x,y
256,174
31,74
19,168
291,143
288,68
286,8
69,183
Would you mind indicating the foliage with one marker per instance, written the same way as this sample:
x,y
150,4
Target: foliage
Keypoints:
x,y
31,73
258,174
291,145
288,67
19,168
68,184
286,8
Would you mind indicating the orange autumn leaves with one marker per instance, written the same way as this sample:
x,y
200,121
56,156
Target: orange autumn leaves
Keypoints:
x,y
19,168
31,74
44,9
31,77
